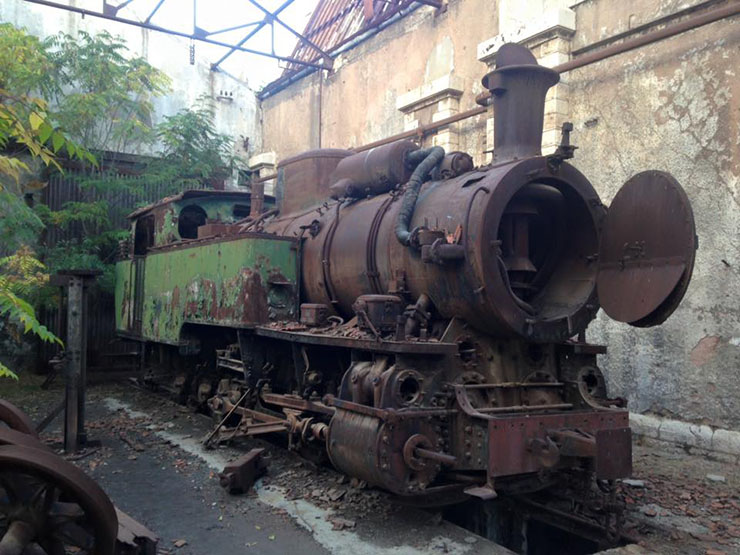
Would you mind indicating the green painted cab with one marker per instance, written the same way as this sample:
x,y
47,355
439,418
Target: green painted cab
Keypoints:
x,y
218,275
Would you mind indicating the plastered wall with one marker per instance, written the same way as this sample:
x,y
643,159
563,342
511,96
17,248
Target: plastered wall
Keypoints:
x,y
673,106
358,100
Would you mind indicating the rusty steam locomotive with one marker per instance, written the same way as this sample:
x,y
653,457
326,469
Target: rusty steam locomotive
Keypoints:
x,y
419,320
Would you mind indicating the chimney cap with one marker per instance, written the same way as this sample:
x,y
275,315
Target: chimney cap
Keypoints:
x,y
514,57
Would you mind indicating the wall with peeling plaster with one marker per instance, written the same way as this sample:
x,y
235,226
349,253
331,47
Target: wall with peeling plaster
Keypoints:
x,y
358,100
673,105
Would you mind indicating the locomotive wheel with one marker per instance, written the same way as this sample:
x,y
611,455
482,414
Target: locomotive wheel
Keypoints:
x,y
15,419
50,506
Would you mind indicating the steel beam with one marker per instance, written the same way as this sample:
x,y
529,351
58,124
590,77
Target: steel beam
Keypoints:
x,y
274,16
147,25
154,11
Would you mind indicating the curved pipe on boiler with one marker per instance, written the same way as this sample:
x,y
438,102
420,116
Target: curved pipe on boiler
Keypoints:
x,y
427,159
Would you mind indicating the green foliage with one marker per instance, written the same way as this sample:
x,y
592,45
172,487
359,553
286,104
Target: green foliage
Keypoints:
x,y
193,151
6,372
26,130
22,274
93,213
19,224
95,93
24,121
102,97
26,86
92,253
24,65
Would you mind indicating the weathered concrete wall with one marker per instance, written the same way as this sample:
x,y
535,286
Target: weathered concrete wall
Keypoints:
x,y
237,117
358,100
673,106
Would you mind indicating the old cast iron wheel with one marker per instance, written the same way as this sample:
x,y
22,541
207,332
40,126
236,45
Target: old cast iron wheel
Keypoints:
x,y
50,506
15,419
13,437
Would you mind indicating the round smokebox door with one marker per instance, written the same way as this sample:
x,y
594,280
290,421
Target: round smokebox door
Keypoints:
x,y
647,248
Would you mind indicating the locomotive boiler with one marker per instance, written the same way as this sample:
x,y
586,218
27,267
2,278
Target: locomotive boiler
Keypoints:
x,y
419,320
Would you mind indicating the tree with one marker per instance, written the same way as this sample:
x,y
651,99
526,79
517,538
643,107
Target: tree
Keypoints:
x,y
21,274
85,98
28,135
24,122
103,98
193,152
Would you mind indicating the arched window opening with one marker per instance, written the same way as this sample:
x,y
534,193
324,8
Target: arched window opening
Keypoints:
x,y
190,219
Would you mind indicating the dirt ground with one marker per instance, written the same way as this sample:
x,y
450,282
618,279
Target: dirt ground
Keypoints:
x,y
149,459
679,502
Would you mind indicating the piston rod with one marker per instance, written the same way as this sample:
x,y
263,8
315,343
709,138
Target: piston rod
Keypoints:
x,y
443,458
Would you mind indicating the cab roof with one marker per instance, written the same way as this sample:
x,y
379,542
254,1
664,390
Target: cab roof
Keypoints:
x,y
185,195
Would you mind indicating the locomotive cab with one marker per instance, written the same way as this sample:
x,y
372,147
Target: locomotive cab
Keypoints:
x,y
149,303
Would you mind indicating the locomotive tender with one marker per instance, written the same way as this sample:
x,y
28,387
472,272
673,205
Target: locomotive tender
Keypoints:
x,y
420,320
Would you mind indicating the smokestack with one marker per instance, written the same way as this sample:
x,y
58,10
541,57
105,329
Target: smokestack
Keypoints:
x,y
257,199
518,85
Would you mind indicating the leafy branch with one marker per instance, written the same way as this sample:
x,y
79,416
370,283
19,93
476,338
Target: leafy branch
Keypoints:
x,y
21,274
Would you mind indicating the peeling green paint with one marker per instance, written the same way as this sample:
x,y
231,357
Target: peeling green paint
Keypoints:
x,y
123,294
165,230
218,210
235,283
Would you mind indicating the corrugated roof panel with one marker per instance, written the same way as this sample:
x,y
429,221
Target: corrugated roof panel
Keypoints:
x,y
334,21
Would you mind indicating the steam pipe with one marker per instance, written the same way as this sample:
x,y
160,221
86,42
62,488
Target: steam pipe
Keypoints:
x,y
420,308
654,36
427,159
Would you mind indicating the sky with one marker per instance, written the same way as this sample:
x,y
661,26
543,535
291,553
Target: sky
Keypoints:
x,y
216,15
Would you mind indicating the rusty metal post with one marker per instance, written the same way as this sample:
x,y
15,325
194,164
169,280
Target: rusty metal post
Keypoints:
x,y
257,199
76,283
74,349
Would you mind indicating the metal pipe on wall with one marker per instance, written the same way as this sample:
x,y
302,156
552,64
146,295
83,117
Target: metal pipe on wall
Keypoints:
x,y
654,36
688,24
